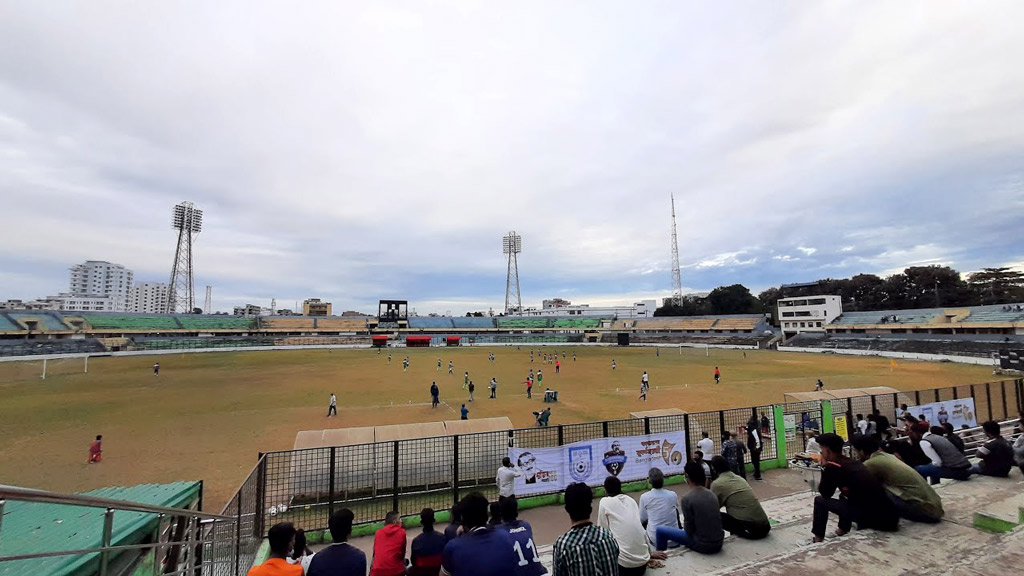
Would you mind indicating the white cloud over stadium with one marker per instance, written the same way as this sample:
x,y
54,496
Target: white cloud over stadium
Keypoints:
x,y
354,151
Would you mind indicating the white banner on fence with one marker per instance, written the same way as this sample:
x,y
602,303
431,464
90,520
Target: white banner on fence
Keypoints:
x,y
956,412
591,461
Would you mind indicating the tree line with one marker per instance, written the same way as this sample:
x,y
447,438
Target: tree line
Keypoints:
x,y
915,287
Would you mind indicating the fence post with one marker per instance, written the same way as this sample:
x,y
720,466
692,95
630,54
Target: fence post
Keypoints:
x,y
604,428
394,477
330,489
827,422
238,533
988,398
561,435
686,435
917,397
874,404
647,425
1002,388
455,466
956,393
721,421
936,394
1020,395
108,527
780,435
261,504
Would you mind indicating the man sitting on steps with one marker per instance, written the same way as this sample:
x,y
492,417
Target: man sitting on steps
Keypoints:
x,y
913,497
743,514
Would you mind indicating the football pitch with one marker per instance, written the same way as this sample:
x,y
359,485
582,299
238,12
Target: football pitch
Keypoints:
x,y
207,416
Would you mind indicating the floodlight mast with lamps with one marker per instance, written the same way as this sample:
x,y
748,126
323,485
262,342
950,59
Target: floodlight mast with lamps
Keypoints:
x,y
188,221
512,245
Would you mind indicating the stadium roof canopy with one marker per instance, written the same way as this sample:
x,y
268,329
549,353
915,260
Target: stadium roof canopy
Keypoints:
x,y
837,394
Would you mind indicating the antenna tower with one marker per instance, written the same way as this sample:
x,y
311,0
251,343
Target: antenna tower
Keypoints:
x,y
209,300
512,244
188,221
677,282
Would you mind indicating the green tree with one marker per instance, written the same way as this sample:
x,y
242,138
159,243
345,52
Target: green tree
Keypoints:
x,y
734,299
689,305
997,285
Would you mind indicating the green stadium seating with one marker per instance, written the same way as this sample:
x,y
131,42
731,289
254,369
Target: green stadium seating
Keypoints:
x,y
7,326
578,323
215,322
132,323
515,323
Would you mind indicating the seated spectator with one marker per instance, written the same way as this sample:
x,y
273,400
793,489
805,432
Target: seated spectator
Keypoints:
x,y
452,530
698,457
389,547
733,452
914,499
954,438
494,513
340,557
658,506
1018,446
425,557
812,448
301,554
702,523
522,534
861,497
481,551
585,549
281,538
884,427
620,515
743,514
945,460
996,455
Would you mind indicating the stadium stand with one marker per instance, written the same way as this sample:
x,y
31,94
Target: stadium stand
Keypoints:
x,y
473,323
353,324
39,321
688,324
198,322
743,324
426,322
981,346
8,325
131,323
198,343
21,347
293,323
576,323
516,323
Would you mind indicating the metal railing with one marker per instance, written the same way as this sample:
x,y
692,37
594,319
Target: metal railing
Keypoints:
x,y
182,541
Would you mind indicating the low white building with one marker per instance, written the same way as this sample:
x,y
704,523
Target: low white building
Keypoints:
x,y
807,313
642,309
88,302
42,304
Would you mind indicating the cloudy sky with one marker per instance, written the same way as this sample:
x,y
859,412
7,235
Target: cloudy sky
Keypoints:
x,y
363,150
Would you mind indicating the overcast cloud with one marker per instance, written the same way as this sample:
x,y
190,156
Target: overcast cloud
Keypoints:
x,y
361,150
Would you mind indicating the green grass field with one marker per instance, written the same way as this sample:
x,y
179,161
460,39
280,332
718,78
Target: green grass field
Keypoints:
x,y
207,416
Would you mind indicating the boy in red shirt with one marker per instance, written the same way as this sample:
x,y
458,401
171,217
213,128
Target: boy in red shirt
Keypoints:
x,y
96,450
389,548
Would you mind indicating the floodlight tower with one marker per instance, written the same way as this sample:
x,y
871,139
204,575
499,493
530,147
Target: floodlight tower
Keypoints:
x,y
677,282
188,221
209,300
512,244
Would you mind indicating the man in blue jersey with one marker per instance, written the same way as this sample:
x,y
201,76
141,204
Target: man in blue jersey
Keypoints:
x,y
522,533
480,551
340,557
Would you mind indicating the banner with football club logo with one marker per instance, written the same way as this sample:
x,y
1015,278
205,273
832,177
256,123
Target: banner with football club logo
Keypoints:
x,y
629,458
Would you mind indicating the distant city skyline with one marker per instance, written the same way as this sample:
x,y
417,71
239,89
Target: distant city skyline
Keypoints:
x,y
353,152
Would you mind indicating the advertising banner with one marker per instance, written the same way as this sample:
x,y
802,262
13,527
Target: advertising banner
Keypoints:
x,y
956,412
591,461
789,421
841,428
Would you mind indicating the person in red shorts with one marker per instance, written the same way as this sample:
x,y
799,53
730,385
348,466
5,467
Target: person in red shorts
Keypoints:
x,y
96,450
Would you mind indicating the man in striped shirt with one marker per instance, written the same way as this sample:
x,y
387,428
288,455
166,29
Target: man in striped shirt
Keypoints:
x,y
585,550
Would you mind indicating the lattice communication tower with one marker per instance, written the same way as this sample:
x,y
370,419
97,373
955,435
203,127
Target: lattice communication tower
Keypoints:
x,y
188,221
677,282
512,245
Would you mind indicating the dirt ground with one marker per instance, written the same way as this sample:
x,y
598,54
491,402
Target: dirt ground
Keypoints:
x,y
207,416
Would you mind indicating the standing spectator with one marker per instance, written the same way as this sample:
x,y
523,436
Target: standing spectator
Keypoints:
x,y
522,534
434,394
481,551
862,424
425,557
733,453
658,506
698,457
754,445
620,515
945,460
332,408
464,410
301,554
996,455
743,514
96,450
766,426
389,547
452,530
707,446
954,438
506,479
281,538
914,499
702,524
1018,446
861,497
340,557
585,550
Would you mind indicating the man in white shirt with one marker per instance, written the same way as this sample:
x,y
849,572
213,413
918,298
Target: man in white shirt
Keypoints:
x,y
862,424
332,409
506,479
658,507
707,446
619,514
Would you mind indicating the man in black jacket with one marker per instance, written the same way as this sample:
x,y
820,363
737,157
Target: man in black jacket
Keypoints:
x,y
862,498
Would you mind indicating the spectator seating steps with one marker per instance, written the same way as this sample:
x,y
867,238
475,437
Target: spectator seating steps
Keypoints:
x,y
469,322
210,322
675,323
287,322
352,324
427,322
8,325
516,323
579,323
100,322
736,324
46,321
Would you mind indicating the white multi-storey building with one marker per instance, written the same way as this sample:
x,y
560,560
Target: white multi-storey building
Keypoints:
x,y
95,280
148,297
808,313
642,309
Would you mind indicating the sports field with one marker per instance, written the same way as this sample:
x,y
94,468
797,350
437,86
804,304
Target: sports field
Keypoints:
x,y
208,415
